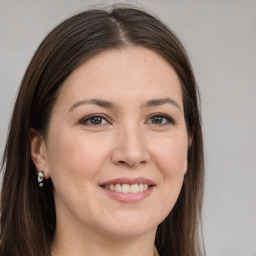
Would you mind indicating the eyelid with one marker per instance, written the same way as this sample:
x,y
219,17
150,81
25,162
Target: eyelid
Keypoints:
x,y
83,120
170,120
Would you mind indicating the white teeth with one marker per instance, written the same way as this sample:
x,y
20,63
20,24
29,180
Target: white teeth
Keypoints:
x,y
141,187
134,188
126,188
118,188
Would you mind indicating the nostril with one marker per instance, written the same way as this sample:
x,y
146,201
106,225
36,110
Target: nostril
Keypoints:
x,y
123,163
131,164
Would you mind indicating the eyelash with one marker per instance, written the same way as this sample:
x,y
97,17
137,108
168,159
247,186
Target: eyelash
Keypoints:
x,y
83,121
169,121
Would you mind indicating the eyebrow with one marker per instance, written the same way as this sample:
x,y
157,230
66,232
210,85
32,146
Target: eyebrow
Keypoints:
x,y
101,103
108,104
158,102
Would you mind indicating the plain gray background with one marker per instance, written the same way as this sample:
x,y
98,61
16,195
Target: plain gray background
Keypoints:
x,y
220,37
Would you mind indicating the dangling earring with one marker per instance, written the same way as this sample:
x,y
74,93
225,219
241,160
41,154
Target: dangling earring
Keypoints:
x,y
40,178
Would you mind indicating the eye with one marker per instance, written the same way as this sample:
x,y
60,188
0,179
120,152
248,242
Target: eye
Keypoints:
x,y
160,119
94,120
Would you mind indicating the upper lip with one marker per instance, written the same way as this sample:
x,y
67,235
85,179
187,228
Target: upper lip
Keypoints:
x,y
130,181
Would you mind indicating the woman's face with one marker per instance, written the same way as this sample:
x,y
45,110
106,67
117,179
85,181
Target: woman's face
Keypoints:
x,y
116,149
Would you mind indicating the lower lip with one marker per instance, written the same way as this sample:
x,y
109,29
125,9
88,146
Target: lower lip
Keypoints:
x,y
128,197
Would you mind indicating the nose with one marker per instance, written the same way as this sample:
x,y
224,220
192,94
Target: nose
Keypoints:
x,y
130,148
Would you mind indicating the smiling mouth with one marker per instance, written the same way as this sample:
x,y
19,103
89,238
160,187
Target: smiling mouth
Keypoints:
x,y
127,188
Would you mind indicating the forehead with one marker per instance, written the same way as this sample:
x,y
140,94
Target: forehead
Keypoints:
x,y
126,73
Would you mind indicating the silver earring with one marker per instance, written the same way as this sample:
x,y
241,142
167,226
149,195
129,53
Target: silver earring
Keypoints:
x,y
40,178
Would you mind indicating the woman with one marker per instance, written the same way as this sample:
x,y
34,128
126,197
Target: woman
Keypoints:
x,y
104,154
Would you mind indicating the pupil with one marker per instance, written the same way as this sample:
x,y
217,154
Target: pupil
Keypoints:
x,y
157,120
96,120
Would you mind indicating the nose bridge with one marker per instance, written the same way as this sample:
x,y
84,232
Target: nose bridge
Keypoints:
x,y
130,147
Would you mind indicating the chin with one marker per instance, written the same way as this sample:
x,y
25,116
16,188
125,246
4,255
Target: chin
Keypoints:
x,y
131,232
131,227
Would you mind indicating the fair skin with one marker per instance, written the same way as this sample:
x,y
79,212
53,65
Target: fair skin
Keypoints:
x,y
137,134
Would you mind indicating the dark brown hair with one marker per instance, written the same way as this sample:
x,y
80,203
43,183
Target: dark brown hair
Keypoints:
x,y
27,211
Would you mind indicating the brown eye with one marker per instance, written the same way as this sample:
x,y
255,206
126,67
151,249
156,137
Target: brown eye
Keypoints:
x,y
96,120
160,119
93,120
157,120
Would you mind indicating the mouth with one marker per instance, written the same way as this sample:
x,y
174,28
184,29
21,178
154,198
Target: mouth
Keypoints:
x,y
128,190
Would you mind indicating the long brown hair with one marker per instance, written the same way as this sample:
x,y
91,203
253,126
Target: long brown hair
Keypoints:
x,y
28,218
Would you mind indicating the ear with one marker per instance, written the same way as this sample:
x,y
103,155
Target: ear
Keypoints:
x,y
185,170
190,136
190,140
38,152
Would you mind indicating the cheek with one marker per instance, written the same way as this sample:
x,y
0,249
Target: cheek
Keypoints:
x,y
74,158
171,156
74,163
